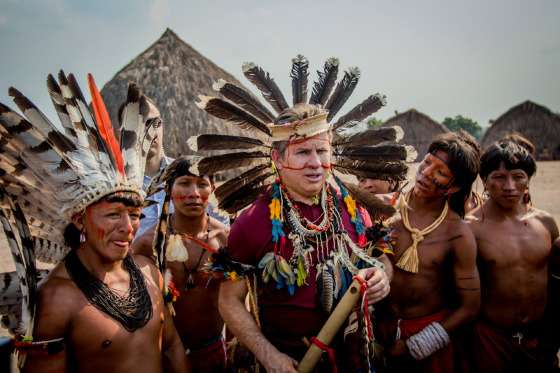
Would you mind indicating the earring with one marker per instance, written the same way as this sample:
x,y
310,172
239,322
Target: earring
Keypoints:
x,y
82,236
485,195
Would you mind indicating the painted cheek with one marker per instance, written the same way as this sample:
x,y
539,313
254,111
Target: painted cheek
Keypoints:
x,y
179,197
204,198
100,233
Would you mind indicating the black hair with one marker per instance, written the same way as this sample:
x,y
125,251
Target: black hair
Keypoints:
x,y
181,167
509,153
129,199
463,155
521,140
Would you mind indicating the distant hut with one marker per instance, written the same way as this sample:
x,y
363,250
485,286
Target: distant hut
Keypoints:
x,y
173,74
537,123
419,130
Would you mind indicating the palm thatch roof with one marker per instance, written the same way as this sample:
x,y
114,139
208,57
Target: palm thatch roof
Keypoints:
x,y
536,122
173,74
419,129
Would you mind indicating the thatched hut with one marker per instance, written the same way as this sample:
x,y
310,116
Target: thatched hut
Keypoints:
x,y
419,129
536,122
173,74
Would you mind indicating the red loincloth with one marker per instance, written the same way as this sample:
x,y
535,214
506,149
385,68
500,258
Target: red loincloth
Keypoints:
x,y
210,358
498,351
441,361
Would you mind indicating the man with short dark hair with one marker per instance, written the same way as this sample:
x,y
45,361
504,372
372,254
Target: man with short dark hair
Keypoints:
x,y
435,287
518,263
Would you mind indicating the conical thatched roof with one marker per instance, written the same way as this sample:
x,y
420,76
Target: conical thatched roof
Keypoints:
x,y
173,74
419,129
537,123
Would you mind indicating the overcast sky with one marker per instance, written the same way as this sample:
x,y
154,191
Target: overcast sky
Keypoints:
x,y
475,58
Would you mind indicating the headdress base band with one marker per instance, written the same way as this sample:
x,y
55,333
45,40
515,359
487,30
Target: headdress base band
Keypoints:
x,y
304,128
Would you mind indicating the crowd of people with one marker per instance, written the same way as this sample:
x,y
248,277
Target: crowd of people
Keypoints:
x,y
153,281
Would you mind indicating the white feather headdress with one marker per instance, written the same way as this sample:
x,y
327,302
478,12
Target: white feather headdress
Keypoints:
x,y
51,171
54,171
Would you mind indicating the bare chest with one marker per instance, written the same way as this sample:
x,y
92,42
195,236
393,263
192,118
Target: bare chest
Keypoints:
x,y
433,248
511,244
96,333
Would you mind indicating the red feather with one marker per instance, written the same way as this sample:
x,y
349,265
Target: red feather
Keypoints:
x,y
104,124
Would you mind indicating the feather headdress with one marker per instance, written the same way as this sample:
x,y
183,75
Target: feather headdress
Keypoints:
x,y
353,152
51,171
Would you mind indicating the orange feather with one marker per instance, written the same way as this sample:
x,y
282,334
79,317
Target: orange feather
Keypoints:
x,y
104,125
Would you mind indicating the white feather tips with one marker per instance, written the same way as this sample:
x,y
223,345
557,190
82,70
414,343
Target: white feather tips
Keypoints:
x,y
381,98
203,101
192,142
247,66
218,84
411,153
399,133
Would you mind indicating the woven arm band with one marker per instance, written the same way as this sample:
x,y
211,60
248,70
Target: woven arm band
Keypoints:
x,y
427,341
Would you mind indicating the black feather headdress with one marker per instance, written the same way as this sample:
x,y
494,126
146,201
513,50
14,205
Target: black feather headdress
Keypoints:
x,y
357,150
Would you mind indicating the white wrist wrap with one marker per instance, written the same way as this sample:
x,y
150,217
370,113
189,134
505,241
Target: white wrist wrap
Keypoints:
x,y
427,341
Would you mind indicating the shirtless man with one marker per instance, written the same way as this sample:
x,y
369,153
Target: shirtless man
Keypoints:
x,y
432,297
197,319
514,251
84,300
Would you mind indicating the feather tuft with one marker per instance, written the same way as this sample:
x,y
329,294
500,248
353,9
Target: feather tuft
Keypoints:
x,y
219,163
342,92
299,75
369,106
244,100
232,113
399,133
411,153
222,142
266,85
369,137
327,78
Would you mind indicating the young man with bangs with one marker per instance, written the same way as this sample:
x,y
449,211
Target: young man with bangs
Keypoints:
x,y
518,266
197,319
435,287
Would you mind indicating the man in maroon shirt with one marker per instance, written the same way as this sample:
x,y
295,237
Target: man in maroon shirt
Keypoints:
x,y
286,318
301,244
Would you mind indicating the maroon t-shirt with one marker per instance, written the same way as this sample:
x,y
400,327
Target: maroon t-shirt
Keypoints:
x,y
283,315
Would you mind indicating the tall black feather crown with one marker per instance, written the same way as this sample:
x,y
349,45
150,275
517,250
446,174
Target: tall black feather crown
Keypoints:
x,y
357,149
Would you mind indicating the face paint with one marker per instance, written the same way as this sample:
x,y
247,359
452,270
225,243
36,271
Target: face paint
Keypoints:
x,y
304,166
433,175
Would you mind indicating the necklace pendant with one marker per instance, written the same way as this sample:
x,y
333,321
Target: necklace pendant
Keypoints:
x,y
190,282
315,200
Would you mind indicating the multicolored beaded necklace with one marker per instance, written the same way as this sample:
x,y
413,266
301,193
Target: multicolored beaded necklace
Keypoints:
x,y
325,244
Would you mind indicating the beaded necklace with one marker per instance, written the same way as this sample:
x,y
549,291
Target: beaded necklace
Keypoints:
x,y
325,244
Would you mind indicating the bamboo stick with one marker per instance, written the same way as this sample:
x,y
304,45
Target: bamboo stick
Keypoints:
x,y
331,327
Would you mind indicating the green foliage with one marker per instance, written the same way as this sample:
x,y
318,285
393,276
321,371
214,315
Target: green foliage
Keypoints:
x,y
374,122
466,124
